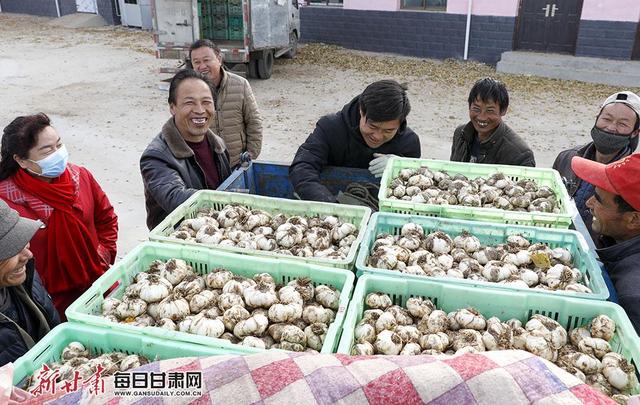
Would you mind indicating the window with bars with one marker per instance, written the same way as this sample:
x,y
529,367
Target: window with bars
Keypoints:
x,y
324,2
430,5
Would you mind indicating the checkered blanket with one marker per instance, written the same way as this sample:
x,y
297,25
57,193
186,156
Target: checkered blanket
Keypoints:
x,y
514,377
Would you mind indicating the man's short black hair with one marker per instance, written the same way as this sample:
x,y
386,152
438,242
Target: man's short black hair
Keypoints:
x,y
385,100
623,206
182,75
489,89
204,43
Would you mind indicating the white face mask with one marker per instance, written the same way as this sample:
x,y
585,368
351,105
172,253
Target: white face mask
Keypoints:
x,y
53,165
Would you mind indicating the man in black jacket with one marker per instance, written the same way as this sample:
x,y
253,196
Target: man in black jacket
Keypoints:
x,y
368,130
186,156
486,138
615,206
26,310
615,136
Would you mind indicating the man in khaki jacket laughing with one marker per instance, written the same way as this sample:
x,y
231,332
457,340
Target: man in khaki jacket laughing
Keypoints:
x,y
237,119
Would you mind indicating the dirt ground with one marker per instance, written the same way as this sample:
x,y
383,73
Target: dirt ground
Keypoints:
x,y
101,88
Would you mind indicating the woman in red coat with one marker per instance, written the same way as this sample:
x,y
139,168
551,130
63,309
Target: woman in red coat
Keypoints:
x,y
79,241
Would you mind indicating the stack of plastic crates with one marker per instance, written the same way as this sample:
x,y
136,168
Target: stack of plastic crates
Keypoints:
x,y
220,25
213,19
205,19
235,20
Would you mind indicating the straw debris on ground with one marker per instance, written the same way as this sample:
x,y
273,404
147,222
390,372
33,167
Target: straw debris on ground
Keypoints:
x,y
449,71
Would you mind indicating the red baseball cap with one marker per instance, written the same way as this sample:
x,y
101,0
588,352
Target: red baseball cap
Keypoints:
x,y
621,177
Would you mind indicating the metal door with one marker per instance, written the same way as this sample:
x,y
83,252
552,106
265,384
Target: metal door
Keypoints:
x,y
174,22
548,25
130,13
269,23
87,6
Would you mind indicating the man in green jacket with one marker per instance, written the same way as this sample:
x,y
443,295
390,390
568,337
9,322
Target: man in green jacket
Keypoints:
x,y
236,119
486,138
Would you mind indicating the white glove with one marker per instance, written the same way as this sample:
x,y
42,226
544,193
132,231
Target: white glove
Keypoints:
x,y
378,163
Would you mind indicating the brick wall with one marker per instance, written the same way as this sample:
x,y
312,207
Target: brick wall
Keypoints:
x,y
606,39
421,34
489,37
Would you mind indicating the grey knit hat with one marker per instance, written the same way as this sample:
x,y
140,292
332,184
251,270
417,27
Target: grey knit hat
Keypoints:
x,y
15,231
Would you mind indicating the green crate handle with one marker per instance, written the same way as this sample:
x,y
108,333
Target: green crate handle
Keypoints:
x,y
547,177
358,216
569,312
84,309
98,340
488,233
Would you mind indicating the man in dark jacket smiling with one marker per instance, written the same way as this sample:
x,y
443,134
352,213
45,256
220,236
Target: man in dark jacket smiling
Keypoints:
x,y
615,206
186,156
368,130
486,138
615,136
26,310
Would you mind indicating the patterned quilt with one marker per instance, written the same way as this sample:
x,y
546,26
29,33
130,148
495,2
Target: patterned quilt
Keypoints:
x,y
514,377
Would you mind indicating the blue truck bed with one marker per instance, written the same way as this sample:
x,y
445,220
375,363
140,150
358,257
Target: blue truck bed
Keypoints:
x,y
271,179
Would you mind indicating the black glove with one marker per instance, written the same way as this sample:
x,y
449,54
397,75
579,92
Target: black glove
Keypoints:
x,y
360,194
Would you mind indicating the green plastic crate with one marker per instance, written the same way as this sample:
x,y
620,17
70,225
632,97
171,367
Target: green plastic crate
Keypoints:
x,y
220,21
235,23
86,309
219,34
219,8
235,35
544,177
235,9
99,341
236,26
208,198
569,312
489,234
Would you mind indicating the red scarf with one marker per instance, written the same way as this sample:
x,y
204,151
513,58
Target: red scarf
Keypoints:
x,y
72,256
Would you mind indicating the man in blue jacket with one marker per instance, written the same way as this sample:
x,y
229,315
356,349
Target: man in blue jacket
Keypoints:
x,y
26,310
368,130
615,207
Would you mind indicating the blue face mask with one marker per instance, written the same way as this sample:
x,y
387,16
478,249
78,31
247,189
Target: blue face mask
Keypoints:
x,y
53,165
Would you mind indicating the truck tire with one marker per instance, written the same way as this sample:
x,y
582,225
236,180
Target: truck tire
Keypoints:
x,y
293,42
252,68
265,65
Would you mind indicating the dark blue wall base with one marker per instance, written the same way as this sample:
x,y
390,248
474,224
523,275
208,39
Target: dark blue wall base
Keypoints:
x,y
67,7
421,34
47,8
606,39
107,10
